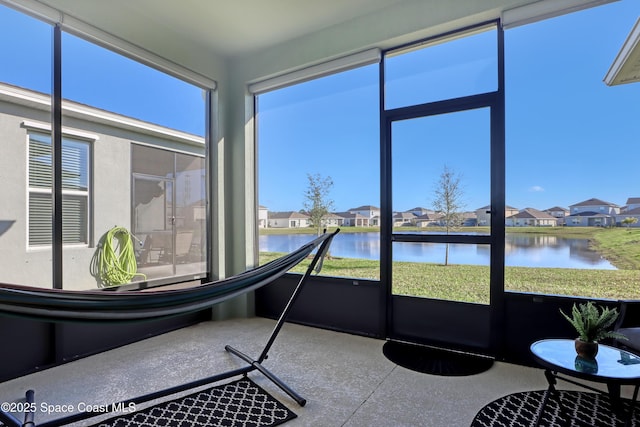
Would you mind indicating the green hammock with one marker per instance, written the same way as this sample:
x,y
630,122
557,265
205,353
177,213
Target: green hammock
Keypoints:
x,y
60,305
110,306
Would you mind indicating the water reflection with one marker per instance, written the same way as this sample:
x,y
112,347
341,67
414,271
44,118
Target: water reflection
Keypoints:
x,y
520,250
588,366
628,359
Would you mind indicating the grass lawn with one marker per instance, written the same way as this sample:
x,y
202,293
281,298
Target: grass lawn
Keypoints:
x,y
470,283
619,245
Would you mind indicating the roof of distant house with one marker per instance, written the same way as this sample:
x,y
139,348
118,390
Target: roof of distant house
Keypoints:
x,y
556,208
348,215
287,214
594,202
511,208
404,215
634,211
365,208
332,215
532,213
590,213
633,200
430,216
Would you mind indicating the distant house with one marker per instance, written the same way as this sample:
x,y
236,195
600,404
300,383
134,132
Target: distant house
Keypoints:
x,y
631,210
530,217
469,219
329,220
332,220
354,219
263,217
592,213
428,220
366,211
632,204
436,219
403,219
484,217
632,213
289,219
418,211
558,212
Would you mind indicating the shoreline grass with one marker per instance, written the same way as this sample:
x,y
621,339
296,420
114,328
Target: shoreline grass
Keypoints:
x,y
620,246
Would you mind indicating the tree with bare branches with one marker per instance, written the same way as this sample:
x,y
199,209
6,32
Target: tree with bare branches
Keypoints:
x,y
317,203
448,202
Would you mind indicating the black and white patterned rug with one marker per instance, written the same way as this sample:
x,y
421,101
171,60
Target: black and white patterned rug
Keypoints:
x,y
583,408
241,403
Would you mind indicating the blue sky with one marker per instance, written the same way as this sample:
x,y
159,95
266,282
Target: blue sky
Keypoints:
x,y
569,136
96,76
586,130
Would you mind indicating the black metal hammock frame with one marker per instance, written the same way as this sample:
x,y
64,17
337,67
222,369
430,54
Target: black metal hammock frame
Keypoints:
x,y
58,305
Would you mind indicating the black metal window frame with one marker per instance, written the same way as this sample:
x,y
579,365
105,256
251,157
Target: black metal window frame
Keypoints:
x,y
495,101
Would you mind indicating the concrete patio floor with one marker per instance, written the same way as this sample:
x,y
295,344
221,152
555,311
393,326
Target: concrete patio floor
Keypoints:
x,y
346,379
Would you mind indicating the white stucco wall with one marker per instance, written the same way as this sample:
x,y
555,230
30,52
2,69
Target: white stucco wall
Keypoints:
x,y
15,258
110,189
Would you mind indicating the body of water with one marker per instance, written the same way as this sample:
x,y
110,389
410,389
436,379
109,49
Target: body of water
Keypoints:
x,y
520,250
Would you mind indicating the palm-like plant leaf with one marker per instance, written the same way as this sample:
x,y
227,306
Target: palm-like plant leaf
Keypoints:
x,y
592,323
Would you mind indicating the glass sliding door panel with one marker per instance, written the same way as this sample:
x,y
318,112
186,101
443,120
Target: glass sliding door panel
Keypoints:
x,y
191,215
151,205
169,213
153,222
152,161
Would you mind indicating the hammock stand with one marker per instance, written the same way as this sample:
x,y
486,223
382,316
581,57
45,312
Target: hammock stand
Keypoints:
x,y
99,305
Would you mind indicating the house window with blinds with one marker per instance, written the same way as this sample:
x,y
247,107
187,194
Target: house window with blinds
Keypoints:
x,y
75,191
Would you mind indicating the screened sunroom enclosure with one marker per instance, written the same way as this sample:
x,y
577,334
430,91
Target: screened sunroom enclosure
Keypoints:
x,y
392,101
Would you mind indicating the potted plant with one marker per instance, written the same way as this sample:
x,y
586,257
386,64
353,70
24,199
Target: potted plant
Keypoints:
x,y
592,324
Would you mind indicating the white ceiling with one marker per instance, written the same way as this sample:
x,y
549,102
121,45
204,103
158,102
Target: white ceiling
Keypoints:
x,y
185,31
226,27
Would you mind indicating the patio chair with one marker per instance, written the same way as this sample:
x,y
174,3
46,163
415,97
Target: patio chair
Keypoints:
x,y
184,239
628,324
